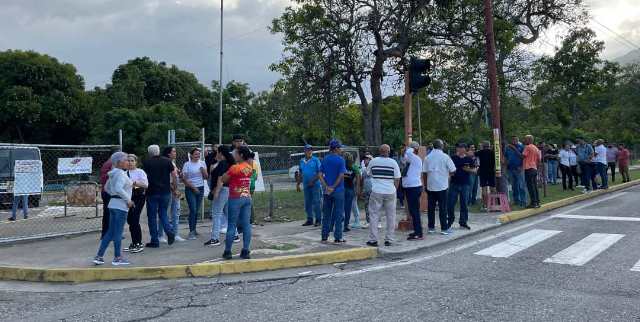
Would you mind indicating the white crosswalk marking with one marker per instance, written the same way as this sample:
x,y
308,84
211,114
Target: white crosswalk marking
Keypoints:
x,y
636,267
518,243
585,250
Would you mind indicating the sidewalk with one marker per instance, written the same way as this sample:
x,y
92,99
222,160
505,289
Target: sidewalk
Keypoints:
x,y
268,241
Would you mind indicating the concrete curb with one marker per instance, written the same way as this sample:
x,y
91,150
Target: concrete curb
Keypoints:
x,y
82,275
517,215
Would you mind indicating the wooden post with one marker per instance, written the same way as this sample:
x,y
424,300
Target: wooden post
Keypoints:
x,y
406,224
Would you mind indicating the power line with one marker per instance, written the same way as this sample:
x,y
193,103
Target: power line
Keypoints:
x,y
628,42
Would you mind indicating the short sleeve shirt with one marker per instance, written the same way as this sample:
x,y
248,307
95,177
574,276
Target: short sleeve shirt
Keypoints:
x,y
240,180
531,157
332,167
487,162
513,159
437,165
191,172
158,171
309,170
461,177
351,175
383,172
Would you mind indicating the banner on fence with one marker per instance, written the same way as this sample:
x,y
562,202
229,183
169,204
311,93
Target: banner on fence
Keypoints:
x,y
74,165
28,178
259,178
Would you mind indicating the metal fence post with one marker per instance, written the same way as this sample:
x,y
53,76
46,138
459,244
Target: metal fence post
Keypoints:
x,y
202,158
271,200
120,139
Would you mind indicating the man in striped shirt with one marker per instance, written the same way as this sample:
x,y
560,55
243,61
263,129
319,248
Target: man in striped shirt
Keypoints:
x,y
385,178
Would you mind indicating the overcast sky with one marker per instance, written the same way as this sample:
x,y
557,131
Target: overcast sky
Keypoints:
x,y
98,35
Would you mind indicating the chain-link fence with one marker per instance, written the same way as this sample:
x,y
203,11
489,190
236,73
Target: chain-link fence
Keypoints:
x,y
59,184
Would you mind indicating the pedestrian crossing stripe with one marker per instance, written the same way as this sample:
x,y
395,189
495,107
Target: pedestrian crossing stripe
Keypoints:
x,y
518,243
584,250
636,267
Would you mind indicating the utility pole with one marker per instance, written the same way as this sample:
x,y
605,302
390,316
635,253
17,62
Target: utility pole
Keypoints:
x,y
408,125
494,98
221,56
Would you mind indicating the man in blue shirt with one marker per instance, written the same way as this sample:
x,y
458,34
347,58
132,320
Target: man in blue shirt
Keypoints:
x,y
584,156
331,176
513,156
308,175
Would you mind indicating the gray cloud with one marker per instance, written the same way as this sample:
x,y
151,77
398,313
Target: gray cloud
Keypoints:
x,y
98,35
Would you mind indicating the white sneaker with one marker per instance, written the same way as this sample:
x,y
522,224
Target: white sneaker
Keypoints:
x,y
180,239
379,226
164,240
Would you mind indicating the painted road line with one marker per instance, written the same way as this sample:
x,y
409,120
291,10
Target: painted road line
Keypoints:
x,y
636,267
518,243
585,250
595,202
611,218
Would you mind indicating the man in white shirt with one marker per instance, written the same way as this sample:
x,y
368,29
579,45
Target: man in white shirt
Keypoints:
x,y
385,178
412,186
600,162
436,170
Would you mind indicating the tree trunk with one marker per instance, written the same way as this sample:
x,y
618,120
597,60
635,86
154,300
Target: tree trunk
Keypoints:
x,y
376,99
367,124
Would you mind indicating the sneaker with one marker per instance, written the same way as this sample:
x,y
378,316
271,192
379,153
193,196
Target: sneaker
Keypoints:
x,y
12,219
135,249
120,261
192,236
152,245
379,226
307,223
212,242
179,239
346,229
324,241
236,239
317,223
227,255
244,254
446,232
415,237
372,243
128,248
465,226
339,241
98,260
141,246
387,243
164,240
171,239
431,231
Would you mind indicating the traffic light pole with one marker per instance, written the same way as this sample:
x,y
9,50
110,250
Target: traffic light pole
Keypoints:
x,y
408,126
493,88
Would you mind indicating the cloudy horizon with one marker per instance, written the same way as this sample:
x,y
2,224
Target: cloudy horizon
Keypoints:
x,y
98,35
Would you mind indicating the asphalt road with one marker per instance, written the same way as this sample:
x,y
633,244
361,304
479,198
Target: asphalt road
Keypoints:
x,y
563,266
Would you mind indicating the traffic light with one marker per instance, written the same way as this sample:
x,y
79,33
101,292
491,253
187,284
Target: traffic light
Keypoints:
x,y
418,73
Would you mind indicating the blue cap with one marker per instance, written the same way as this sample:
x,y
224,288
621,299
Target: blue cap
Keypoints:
x,y
308,147
334,144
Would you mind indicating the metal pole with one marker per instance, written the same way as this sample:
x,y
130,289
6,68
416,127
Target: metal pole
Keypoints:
x,y
202,158
168,137
408,131
221,57
493,87
120,139
419,120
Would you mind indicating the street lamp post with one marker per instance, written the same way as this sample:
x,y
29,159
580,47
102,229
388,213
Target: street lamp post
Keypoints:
x,y
220,84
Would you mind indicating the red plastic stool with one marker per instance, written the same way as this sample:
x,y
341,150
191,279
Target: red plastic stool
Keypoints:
x,y
498,202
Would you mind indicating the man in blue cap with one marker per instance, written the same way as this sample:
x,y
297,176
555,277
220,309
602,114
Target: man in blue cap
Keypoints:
x,y
307,175
331,176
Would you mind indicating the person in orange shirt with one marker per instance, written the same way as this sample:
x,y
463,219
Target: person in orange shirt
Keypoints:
x,y
531,160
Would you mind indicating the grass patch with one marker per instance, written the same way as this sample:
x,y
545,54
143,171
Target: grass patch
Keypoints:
x,y
281,247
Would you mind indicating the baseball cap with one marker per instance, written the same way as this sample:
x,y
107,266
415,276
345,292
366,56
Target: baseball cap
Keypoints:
x,y
334,144
308,147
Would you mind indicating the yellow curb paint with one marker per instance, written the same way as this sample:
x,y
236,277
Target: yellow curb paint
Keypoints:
x,y
81,275
517,215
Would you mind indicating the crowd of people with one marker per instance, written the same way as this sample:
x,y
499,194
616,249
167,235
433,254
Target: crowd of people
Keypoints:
x,y
126,189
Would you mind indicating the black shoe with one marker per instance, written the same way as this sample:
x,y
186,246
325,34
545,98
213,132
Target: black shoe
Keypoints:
x,y
372,243
317,223
346,229
465,226
136,249
339,241
236,239
308,223
531,206
152,245
387,243
171,238
244,254
128,248
212,242
227,255
12,219
537,205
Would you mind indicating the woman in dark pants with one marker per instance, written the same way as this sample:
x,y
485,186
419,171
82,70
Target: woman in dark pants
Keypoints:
x,y
140,184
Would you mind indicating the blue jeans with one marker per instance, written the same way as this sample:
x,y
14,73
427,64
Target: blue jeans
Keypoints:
x,y
194,201
333,215
456,190
239,214
473,189
552,171
349,194
157,206
518,193
601,169
174,216
413,203
25,205
117,218
218,210
312,202
587,176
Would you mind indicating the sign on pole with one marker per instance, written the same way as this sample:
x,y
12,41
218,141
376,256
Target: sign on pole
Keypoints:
x,y
28,178
259,179
497,147
74,165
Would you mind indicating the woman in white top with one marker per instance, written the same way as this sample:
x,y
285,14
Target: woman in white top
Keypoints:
x,y
567,163
140,184
194,176
119,187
